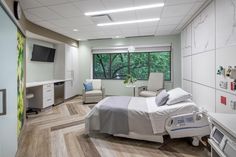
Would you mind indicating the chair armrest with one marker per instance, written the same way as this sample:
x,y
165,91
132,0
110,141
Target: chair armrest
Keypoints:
x,y
83,95
141,88
160,89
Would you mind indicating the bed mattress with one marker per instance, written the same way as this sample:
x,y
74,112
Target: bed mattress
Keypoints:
x,y
142,115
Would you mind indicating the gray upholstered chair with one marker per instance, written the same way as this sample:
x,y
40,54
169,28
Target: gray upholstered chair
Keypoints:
x,y
154,87
96,94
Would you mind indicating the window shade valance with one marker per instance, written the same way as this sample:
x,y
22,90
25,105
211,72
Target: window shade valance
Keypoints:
x,y
150,48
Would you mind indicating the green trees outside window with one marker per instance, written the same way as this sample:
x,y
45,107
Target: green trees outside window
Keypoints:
x,y
138,64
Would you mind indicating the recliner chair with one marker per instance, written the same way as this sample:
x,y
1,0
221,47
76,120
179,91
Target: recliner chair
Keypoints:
x,y
154,87
96,94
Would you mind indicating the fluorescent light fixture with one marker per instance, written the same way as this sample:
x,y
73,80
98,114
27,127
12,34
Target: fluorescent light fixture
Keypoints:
x,y
128,22
102,12
75,30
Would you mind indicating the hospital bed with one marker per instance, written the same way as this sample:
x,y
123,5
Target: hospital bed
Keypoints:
x,y
140,118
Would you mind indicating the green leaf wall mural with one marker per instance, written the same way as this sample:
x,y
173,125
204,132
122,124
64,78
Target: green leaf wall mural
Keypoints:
x,y
20,81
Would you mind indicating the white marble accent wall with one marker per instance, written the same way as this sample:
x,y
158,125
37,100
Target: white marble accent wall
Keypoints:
x,y
208,42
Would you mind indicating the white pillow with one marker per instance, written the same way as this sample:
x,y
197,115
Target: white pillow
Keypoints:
x,y
178,95
162,98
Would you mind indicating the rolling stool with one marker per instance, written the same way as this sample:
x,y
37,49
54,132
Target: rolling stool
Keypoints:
x,y
30,110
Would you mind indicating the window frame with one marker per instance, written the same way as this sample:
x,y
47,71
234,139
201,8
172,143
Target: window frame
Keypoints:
x,y
128,55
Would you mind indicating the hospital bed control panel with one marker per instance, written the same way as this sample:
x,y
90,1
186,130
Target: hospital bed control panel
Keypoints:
x,y
194,124
222,138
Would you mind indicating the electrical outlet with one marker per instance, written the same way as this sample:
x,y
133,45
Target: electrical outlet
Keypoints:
x,y
223,85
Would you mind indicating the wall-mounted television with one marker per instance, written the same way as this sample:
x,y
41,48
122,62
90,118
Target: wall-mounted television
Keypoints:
x,y
43,54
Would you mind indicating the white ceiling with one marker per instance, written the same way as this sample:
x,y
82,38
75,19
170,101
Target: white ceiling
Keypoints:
x,y
63,16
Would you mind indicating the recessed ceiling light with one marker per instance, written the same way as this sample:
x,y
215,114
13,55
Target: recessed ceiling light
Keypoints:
x,y
128,22
102,12
75,30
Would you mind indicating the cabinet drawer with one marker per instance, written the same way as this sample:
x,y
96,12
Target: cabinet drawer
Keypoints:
x,y
48,87
48,101
48,92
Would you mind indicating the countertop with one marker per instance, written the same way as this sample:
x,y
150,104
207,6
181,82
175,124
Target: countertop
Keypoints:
x,y
226,121
40,83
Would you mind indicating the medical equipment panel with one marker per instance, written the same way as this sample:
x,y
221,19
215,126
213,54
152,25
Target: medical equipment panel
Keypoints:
x,y
223,143
188,125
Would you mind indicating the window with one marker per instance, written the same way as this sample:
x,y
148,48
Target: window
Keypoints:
x,y
101,63
161,62
119,65
139,64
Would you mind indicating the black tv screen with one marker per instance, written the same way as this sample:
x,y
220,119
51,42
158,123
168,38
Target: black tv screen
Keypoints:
x,y
43,54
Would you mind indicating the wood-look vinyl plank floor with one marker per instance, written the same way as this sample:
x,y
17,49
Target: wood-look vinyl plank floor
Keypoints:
x,y
59,132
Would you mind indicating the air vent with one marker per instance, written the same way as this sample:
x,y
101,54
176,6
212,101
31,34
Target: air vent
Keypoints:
x,y
101,19
99,39
141,36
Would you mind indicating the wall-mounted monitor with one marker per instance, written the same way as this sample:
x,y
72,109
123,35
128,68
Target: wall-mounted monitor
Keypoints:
x,y
43,54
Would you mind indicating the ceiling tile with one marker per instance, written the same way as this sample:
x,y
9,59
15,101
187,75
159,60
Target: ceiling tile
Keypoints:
x,y
27,4
175,2
147,31
163,32
176,10
166,27
115,4
170,20
32,17
52,2
146,2
129,27
63,16
125,16
66,10
62,23
88,29
46,24
81,21
113,33
149,13
44,13
89,5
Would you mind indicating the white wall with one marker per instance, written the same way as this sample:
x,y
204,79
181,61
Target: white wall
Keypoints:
x,y
116,87
38,71
8,80
208,42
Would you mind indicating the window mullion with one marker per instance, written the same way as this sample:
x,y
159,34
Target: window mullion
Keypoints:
x,y
149,64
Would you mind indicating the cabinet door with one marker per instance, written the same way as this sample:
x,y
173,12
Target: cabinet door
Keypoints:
x,y
68,89
68,62
72,73
75,71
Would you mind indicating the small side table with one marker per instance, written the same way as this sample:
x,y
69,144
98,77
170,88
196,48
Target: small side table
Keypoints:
x,y
131,86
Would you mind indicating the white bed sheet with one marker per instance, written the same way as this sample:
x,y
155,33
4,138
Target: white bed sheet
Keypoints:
x,y
157,116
